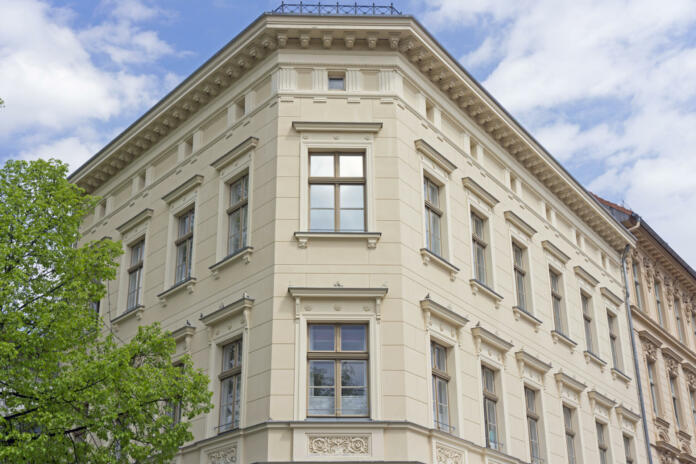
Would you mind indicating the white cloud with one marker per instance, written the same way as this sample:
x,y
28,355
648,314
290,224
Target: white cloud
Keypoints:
x,y
57,86
605,85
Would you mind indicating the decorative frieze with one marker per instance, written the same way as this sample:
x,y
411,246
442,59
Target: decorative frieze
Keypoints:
x,y
447,455
339,445
226,455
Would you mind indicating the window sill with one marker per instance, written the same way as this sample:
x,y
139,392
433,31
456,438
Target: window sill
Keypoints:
x,y
244,254
478,286
527,317
591,357
563,339
371,238
136,312
428,257
187,284
617,374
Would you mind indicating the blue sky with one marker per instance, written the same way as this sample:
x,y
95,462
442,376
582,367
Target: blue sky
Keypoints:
x,y
607,86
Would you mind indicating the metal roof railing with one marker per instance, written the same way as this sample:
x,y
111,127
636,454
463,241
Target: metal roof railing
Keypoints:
x,y
336,9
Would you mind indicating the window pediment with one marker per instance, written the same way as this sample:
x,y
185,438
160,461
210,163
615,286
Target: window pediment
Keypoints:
x,y
472,186
136,220
611,296
554,251
241,306
247,145
519,223
582,273
336,126
565,380
485,336
188,185
435,156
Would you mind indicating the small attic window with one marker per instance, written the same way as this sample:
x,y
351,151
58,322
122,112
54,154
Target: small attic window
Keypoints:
x,y
337,81
188,146
239,109
429,110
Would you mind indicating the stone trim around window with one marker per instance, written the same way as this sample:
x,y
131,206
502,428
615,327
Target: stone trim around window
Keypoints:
x,y
518,222
592,357
472,186
559,337
435,156
371,238
554,251
582,273
337,126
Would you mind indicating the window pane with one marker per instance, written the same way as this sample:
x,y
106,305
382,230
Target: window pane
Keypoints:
x,y
238,190
352,220
322,388
227,402
442,405
350,166
336,83
322,220
232,356
321,166
354,391
352,196
353,338
321,196
435,245
235,230
433,194
321,338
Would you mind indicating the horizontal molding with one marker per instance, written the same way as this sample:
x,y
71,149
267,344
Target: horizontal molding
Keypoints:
x,y
188,185
585,275
555,251
228,311
518,222
475,188
435,156
247,145
336,126
442,312
135,220
338,292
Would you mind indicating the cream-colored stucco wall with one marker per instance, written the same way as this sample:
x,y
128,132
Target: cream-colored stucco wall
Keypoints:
x,y
426,297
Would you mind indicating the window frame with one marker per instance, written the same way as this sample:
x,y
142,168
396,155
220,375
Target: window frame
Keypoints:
x,y
657,288
535,416
338,355
637,285
652,384
628,448
238,344
676,401
137,268
336,181
185,239
557,295
588,323
433,210
570,433
241,205
520,270
603,447
681,333
334,75
440,375
491,397
614,340
480,242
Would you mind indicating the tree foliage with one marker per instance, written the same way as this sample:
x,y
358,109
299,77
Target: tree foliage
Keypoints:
x,y
69,390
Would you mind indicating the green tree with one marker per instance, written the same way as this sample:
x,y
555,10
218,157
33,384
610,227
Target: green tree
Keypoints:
x,y
69,390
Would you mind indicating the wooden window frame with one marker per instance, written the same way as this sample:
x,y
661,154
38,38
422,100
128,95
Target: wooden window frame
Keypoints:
x,y
492,397
533,416
236,371
185,239
614,342
242,204
336,181
570,433
337,355
432,209
135,268
590,336
520,271
438,373
676,402
560,325
602,443
478,241
657,288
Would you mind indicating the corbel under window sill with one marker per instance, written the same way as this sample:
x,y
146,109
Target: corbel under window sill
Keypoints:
x,y
617,374
478,286
430,257
136,312
244,254
527,317
591,357
371,238
562,338
187,284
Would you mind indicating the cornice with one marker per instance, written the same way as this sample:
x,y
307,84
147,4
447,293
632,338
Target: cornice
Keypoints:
x,y
337,292
611,296
488,337
189,184
443,312
135,220
585,275
247,145
555,251
597,397
402,34
241,305
532,361
564,379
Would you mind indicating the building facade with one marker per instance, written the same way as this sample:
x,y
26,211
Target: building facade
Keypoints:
x,y
662,287
371,259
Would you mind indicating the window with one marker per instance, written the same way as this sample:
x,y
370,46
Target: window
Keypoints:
x,y
337,192
658,304
184,247
557,302
680,324
587,319
628,449
237,214
636,285
692,398
614,342
675,399
337,359
337,81
173,407
433,216
479,246
231,386
653,387
602,444
135,274
520,277
441,379
490,409
569,434
533,425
